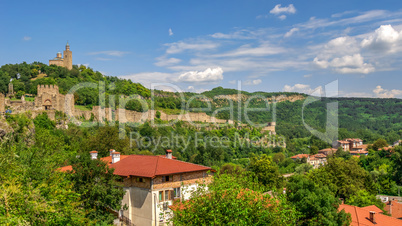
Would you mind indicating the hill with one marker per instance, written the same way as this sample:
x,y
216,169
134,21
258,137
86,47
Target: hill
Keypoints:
x,y
367,118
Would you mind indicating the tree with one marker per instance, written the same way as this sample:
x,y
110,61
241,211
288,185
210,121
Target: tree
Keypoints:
x,y
96,184
266,171
363,198
343,177
158,114
278,157
380,143
316,203
303,168
227,202
398,164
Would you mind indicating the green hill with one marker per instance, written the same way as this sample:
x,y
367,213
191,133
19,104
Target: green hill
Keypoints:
x,y
367,118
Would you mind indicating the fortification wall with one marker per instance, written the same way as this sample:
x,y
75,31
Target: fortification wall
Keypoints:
x,y
2,103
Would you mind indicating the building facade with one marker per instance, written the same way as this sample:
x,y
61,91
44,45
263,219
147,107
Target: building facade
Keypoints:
x,y
66,61
152,183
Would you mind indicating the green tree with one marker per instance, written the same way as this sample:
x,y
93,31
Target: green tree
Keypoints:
x,y
266,171
96,183
315,202
343,177
227,202
363,198
380,143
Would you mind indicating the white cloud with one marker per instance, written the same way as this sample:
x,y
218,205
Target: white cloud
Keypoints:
x,y
240,34
170,32
346,64
384,93
178,47
192,89
385,38
110,53
286,9
300,88
282,17
308,75
291,32
147,78
26,38
164,61
247,50
252,82
209,75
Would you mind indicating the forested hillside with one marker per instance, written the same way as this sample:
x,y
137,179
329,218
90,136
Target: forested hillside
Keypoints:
x,y
367,118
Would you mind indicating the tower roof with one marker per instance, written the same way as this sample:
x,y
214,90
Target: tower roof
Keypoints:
x,y
67,44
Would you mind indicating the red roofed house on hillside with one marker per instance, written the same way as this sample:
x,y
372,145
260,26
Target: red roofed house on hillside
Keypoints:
x,y
152,183
314,160
394,208
369,215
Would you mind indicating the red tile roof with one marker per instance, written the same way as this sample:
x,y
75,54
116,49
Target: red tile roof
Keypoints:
x,y
300,156
360,217
151,166
147,166
373,208
395,209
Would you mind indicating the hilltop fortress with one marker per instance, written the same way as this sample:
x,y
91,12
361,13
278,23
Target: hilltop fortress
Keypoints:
x,y
50,100
66,62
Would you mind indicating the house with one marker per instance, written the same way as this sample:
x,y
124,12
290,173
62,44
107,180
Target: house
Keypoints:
x,y
369,215
314,160
327,151
396,143
394,208
152,183
349,143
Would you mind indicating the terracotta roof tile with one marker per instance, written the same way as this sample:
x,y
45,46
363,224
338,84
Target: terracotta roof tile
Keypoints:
x,y
360,217
151,166
395,209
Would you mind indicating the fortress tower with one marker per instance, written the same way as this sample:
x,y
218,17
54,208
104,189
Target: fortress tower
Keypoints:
x,y
66,62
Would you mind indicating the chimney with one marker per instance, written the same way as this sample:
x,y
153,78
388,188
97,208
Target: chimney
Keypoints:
x,y
94,154
115,157
111,151
372,216
169,154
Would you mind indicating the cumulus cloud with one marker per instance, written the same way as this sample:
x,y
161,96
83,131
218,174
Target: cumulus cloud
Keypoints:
x,y
385,38
178,47
252,82
110,53
26,38
209,75
346,64
300,88
170,32
286,9
384,93
291,32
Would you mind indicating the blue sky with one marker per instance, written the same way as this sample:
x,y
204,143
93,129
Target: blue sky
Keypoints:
x,y
198,45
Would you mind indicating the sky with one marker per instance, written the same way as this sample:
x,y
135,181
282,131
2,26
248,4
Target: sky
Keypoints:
x,y
254,45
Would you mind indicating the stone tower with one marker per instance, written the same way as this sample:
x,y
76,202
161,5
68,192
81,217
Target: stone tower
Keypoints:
x,y
68,57
66,62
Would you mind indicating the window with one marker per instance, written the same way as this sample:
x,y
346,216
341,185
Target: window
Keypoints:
x,y
167,195
161,196
181,177
167,178
176,192
140,179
